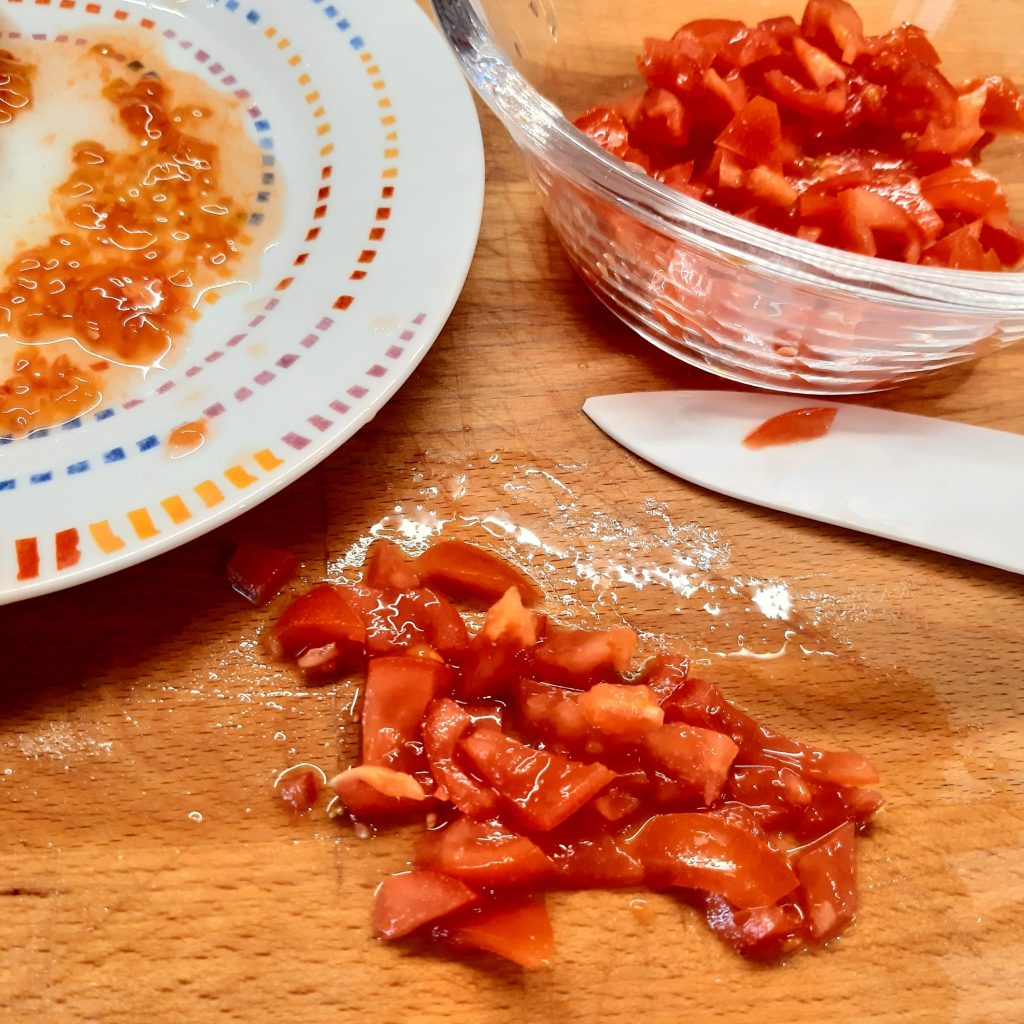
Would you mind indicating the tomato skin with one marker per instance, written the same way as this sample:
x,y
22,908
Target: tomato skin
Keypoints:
x,y
398,692
258,572
446,725
828,882
579,658
516,929
542,789
326,615
388,567
465,570
704,851
408,901
483,854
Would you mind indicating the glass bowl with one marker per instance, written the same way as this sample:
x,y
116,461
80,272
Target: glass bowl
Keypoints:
x,y
731,297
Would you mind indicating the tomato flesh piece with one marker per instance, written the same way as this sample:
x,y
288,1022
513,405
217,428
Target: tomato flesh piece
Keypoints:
x,y
326,615
300,792
388,567
258,572
483,854
701,758
703,851
761,933
494,661
464,570
516,929
541,788
446,725
406,902
579,658
398,692
828,882
370,792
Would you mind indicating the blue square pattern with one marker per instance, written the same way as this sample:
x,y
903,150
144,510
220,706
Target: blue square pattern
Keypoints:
x,y
232,5
41,478
72,424
78,467
6,485
331,11
147,443
356,42
41,432
263,125
114,455
104,414
253,17
344,24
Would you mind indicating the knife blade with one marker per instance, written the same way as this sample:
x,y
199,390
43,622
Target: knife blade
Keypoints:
x,y
944,486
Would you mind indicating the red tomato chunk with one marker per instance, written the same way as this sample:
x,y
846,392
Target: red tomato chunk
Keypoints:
x,y
541,760
258,572
826,133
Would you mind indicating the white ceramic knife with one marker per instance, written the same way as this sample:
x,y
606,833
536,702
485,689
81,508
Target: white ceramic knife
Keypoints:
x,y
939,485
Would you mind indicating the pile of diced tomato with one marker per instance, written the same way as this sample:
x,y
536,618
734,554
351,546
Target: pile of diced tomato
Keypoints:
x,y
819,130
537,760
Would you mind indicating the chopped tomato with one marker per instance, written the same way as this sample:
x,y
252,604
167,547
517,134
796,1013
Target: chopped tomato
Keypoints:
x,y
408,901
600,861
828,883
835,25
483,854
624,713
579,779
552,712
398,620
300,792
258,572
662,120
389,568
580,657
516,929
702,704
446,725
324,616
752,118
759,932
372,791
494,660
398,692
541,788
464,570
703,851
701,758
755,134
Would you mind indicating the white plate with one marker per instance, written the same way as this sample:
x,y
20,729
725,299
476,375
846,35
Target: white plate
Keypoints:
x,y
365,121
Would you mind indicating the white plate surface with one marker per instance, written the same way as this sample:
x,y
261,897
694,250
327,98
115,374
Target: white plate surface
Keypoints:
x,y
365,123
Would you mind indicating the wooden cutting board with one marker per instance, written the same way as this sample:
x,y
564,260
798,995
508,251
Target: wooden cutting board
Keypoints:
x,y
148,872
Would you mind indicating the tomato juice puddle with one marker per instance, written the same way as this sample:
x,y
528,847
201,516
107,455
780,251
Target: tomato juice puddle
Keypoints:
x,y
129,194
793,427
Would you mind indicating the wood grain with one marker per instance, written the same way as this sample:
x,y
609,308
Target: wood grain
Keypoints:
x,y
148,874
